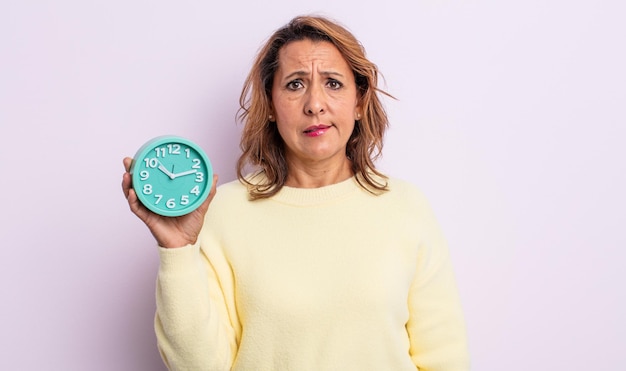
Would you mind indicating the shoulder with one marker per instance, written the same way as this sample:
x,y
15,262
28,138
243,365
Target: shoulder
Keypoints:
x,y
407,198
231,201
229,196
404,190
232,187
401,185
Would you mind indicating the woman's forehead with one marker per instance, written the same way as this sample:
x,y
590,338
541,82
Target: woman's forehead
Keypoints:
x,y
305,56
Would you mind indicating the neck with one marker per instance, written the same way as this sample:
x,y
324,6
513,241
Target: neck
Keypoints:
x,y
318,174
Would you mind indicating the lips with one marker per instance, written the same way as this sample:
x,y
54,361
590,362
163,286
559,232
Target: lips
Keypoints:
x,y
316,130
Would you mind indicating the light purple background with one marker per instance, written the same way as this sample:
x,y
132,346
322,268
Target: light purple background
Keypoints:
x,y
510,117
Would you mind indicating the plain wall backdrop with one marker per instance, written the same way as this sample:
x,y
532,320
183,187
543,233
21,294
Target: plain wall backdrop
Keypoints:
x,y
510,116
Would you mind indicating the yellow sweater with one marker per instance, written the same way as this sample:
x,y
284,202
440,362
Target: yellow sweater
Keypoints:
x,y
332,278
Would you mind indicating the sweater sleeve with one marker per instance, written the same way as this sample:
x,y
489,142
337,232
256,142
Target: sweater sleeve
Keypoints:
x,y
436,328
192,324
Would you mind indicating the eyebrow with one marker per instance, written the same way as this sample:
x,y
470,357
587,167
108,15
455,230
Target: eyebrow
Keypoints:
x,y
304,73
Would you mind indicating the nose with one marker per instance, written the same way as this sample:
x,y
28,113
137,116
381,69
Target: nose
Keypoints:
x,y
316,101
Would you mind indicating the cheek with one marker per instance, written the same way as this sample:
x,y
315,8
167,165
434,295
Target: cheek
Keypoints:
x,y
348,111
347,103
283,108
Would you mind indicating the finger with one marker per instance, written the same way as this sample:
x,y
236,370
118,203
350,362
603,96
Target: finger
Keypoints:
x,y
127,163
214,186
126,183
131,196
205,205
136,206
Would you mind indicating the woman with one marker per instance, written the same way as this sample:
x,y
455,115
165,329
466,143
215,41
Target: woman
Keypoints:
x,y
315,261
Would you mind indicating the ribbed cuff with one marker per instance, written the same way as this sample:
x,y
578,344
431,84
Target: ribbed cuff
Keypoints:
x,y
178,259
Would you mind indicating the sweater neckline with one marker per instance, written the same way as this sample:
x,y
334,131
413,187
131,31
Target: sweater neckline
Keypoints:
x,y
315,196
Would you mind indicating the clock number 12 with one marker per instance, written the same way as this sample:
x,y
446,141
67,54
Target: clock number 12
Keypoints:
x,y
171,149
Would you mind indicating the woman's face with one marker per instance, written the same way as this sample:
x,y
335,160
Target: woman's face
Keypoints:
x,y
315,103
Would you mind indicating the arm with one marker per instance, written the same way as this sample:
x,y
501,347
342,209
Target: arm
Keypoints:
x,y
191,324
436,326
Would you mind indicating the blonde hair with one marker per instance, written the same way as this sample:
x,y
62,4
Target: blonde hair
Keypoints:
x,y
261,143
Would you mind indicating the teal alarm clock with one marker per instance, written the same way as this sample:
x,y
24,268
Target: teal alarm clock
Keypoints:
x,y
172,176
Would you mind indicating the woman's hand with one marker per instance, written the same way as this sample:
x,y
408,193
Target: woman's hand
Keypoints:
x,y
169,232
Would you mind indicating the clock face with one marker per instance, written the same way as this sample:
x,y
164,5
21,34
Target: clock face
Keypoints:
x,y
172,176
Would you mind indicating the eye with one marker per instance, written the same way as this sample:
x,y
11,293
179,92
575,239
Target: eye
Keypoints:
x,y
334,84
294,85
